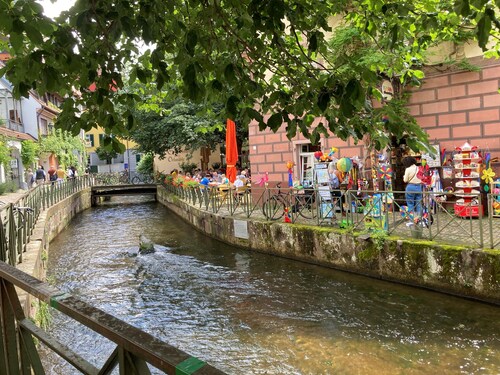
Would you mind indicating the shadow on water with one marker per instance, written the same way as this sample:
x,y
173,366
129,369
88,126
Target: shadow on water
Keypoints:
x,y
250,313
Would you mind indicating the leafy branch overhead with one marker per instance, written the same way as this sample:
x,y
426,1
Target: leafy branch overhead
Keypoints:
x,y
240,53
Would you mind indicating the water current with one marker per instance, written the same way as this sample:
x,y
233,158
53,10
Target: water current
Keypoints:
x,y
251,313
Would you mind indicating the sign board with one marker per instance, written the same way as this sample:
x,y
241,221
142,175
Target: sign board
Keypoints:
x,y
240,229
13,163
433,161
321,173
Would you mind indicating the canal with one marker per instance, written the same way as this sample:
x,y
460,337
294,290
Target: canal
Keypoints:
x,y
251,313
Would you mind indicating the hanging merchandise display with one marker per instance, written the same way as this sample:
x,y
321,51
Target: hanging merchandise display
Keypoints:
x,y
467,161
495,198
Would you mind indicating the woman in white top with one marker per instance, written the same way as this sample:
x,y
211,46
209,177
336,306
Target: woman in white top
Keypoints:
x,y
413,192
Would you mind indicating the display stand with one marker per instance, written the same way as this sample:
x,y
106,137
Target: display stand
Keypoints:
x,y
466,161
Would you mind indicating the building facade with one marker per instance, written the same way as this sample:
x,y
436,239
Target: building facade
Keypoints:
x,y
453,106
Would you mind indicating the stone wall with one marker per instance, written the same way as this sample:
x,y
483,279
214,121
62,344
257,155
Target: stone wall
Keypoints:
x,y
50,223
454,270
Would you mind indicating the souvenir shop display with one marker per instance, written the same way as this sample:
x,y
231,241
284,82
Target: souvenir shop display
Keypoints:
x,y
466,163
495,198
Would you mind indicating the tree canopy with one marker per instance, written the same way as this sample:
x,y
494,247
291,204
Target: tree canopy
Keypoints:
x,y
258,57
179,125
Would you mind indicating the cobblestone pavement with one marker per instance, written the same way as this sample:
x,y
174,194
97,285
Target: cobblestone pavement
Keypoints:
x,y
12,197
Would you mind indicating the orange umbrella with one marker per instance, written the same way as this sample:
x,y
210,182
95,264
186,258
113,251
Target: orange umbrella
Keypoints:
x,y
231,150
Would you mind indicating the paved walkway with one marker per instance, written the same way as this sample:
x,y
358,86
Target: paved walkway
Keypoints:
x,y
12,197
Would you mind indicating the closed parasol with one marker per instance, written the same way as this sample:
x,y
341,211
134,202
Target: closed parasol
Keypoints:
x,y
231,150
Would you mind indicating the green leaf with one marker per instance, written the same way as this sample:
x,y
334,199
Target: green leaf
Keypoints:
x,y
462,7
33,34
217,85
191,41
313,42
483,31
291,129
229,73
323,100
274,122
231,106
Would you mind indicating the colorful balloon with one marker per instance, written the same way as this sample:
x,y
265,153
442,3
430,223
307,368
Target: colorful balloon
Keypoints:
x,y
344,165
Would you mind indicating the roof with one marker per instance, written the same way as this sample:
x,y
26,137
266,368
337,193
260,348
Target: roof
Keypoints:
x,y
17,135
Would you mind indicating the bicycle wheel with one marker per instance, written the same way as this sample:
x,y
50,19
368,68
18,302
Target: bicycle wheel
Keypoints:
x,y
136,180
305,206
273,208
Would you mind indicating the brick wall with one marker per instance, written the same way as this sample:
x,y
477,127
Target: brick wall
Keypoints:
x,y
452,106
269,152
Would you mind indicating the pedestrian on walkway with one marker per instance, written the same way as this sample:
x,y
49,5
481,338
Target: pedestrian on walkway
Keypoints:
x,y
413,191
29,178
40,175
60,175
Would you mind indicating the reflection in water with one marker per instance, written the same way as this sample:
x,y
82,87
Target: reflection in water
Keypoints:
x,y
249,313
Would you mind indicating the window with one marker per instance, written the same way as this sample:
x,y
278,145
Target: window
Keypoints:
x,y
306,163
89,139
13,116
44,130
101,138
137,158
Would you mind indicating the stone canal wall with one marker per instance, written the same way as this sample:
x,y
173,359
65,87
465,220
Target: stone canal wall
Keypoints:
x,y
454,270
50,223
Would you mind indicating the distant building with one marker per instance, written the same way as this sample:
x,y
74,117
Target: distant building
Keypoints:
x,y
128,160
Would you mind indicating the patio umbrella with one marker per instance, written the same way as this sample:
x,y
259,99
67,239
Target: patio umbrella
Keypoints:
x,y
231,150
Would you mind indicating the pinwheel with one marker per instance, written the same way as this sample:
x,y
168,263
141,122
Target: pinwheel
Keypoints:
x,y
487,176
385,172
263,180
443,156
333,150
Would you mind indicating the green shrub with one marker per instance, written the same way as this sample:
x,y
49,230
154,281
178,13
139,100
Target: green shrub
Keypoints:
x,y
8,187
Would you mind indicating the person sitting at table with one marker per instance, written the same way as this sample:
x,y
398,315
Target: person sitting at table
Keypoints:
x,y
224,180
205,181
239,182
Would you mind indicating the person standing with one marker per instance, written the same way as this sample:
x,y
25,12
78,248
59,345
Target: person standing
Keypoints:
x,y
69,172
40,175
60,175
29,178
52,174
413,191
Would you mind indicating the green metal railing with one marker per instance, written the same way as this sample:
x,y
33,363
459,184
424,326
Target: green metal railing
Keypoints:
x,y
18,219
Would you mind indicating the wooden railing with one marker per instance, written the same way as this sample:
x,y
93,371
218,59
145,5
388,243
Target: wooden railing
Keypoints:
x,y
134,353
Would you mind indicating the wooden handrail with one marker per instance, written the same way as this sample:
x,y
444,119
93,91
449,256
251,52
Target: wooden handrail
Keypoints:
x,y
132,343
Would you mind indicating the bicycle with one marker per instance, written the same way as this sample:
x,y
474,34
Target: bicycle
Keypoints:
x,y
303,204
144,179
123,178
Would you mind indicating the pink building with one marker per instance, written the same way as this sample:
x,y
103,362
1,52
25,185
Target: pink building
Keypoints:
x,y
452,106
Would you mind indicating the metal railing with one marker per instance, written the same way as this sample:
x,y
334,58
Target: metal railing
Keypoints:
x,y
17,220
135,350
356,210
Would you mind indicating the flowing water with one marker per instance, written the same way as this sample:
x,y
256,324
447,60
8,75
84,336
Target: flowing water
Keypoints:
x,y
250,313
